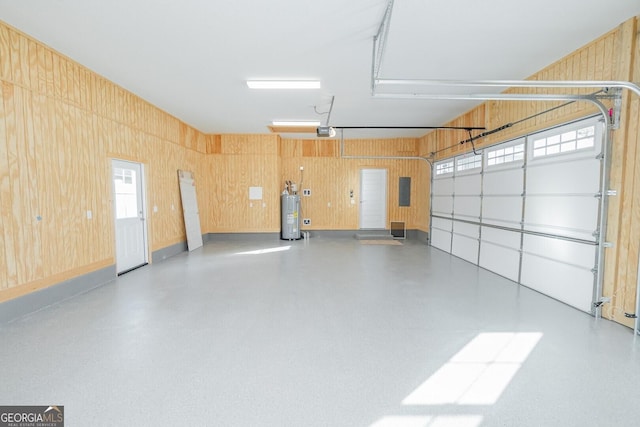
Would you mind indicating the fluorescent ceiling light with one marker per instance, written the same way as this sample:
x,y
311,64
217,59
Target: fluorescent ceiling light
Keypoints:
x,y
308,123
283,84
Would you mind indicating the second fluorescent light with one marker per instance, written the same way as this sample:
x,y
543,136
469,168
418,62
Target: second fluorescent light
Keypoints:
x,y
283,84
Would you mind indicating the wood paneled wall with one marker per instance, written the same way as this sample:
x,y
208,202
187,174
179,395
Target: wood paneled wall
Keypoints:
x,y
614,56
236,163
332,178
621,260
60,126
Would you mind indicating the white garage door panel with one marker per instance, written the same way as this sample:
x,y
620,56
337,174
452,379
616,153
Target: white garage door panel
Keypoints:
x,y
467,207
502,210
443,186
567,177
574,253
465,248
441,239
506,181
566,216
468,230
442,224
467,185
501,260
569,284
506,238
442,205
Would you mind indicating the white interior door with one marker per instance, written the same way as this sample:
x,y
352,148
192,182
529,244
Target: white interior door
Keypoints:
x,y
131,235
373,199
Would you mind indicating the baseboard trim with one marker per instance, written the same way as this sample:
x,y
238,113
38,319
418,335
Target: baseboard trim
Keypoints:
x,y
169,251
212,237
35,301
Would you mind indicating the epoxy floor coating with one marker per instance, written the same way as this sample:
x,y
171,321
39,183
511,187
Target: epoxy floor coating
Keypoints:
x,y
324,332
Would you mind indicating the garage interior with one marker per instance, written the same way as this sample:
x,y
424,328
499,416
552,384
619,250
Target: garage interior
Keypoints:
x,y
464,250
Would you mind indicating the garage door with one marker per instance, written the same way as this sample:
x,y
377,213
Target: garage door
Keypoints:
x,y
527,209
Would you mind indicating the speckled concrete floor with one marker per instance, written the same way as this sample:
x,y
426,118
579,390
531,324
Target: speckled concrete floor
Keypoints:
x,y
324,332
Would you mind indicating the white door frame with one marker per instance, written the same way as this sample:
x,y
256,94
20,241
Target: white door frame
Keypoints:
x,y
143,209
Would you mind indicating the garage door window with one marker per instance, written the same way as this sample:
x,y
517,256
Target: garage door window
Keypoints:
x,y
566,142
444,168
469,162
499,156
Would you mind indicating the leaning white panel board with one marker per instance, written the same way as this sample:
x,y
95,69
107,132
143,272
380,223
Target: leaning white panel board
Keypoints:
x,y
190,209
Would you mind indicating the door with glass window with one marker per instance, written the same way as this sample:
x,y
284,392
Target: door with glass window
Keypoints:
x,y
128,196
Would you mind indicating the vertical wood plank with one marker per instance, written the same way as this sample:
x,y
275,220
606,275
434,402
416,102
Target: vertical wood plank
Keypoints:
x,y
18,216
16,69
33,64
41,69
7,253
56,67
46,184
612,273
33,140
50,90
6,72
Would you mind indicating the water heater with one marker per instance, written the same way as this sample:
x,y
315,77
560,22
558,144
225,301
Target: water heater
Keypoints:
x,y
290,209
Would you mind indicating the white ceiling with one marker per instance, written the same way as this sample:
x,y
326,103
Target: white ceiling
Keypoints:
x,y
191,58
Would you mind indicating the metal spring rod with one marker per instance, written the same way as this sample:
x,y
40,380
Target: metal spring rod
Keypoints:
x,y
343,156
515,83
379,44
485,97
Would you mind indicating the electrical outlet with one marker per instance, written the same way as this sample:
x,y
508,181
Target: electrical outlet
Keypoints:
x,y
306,192
306,221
